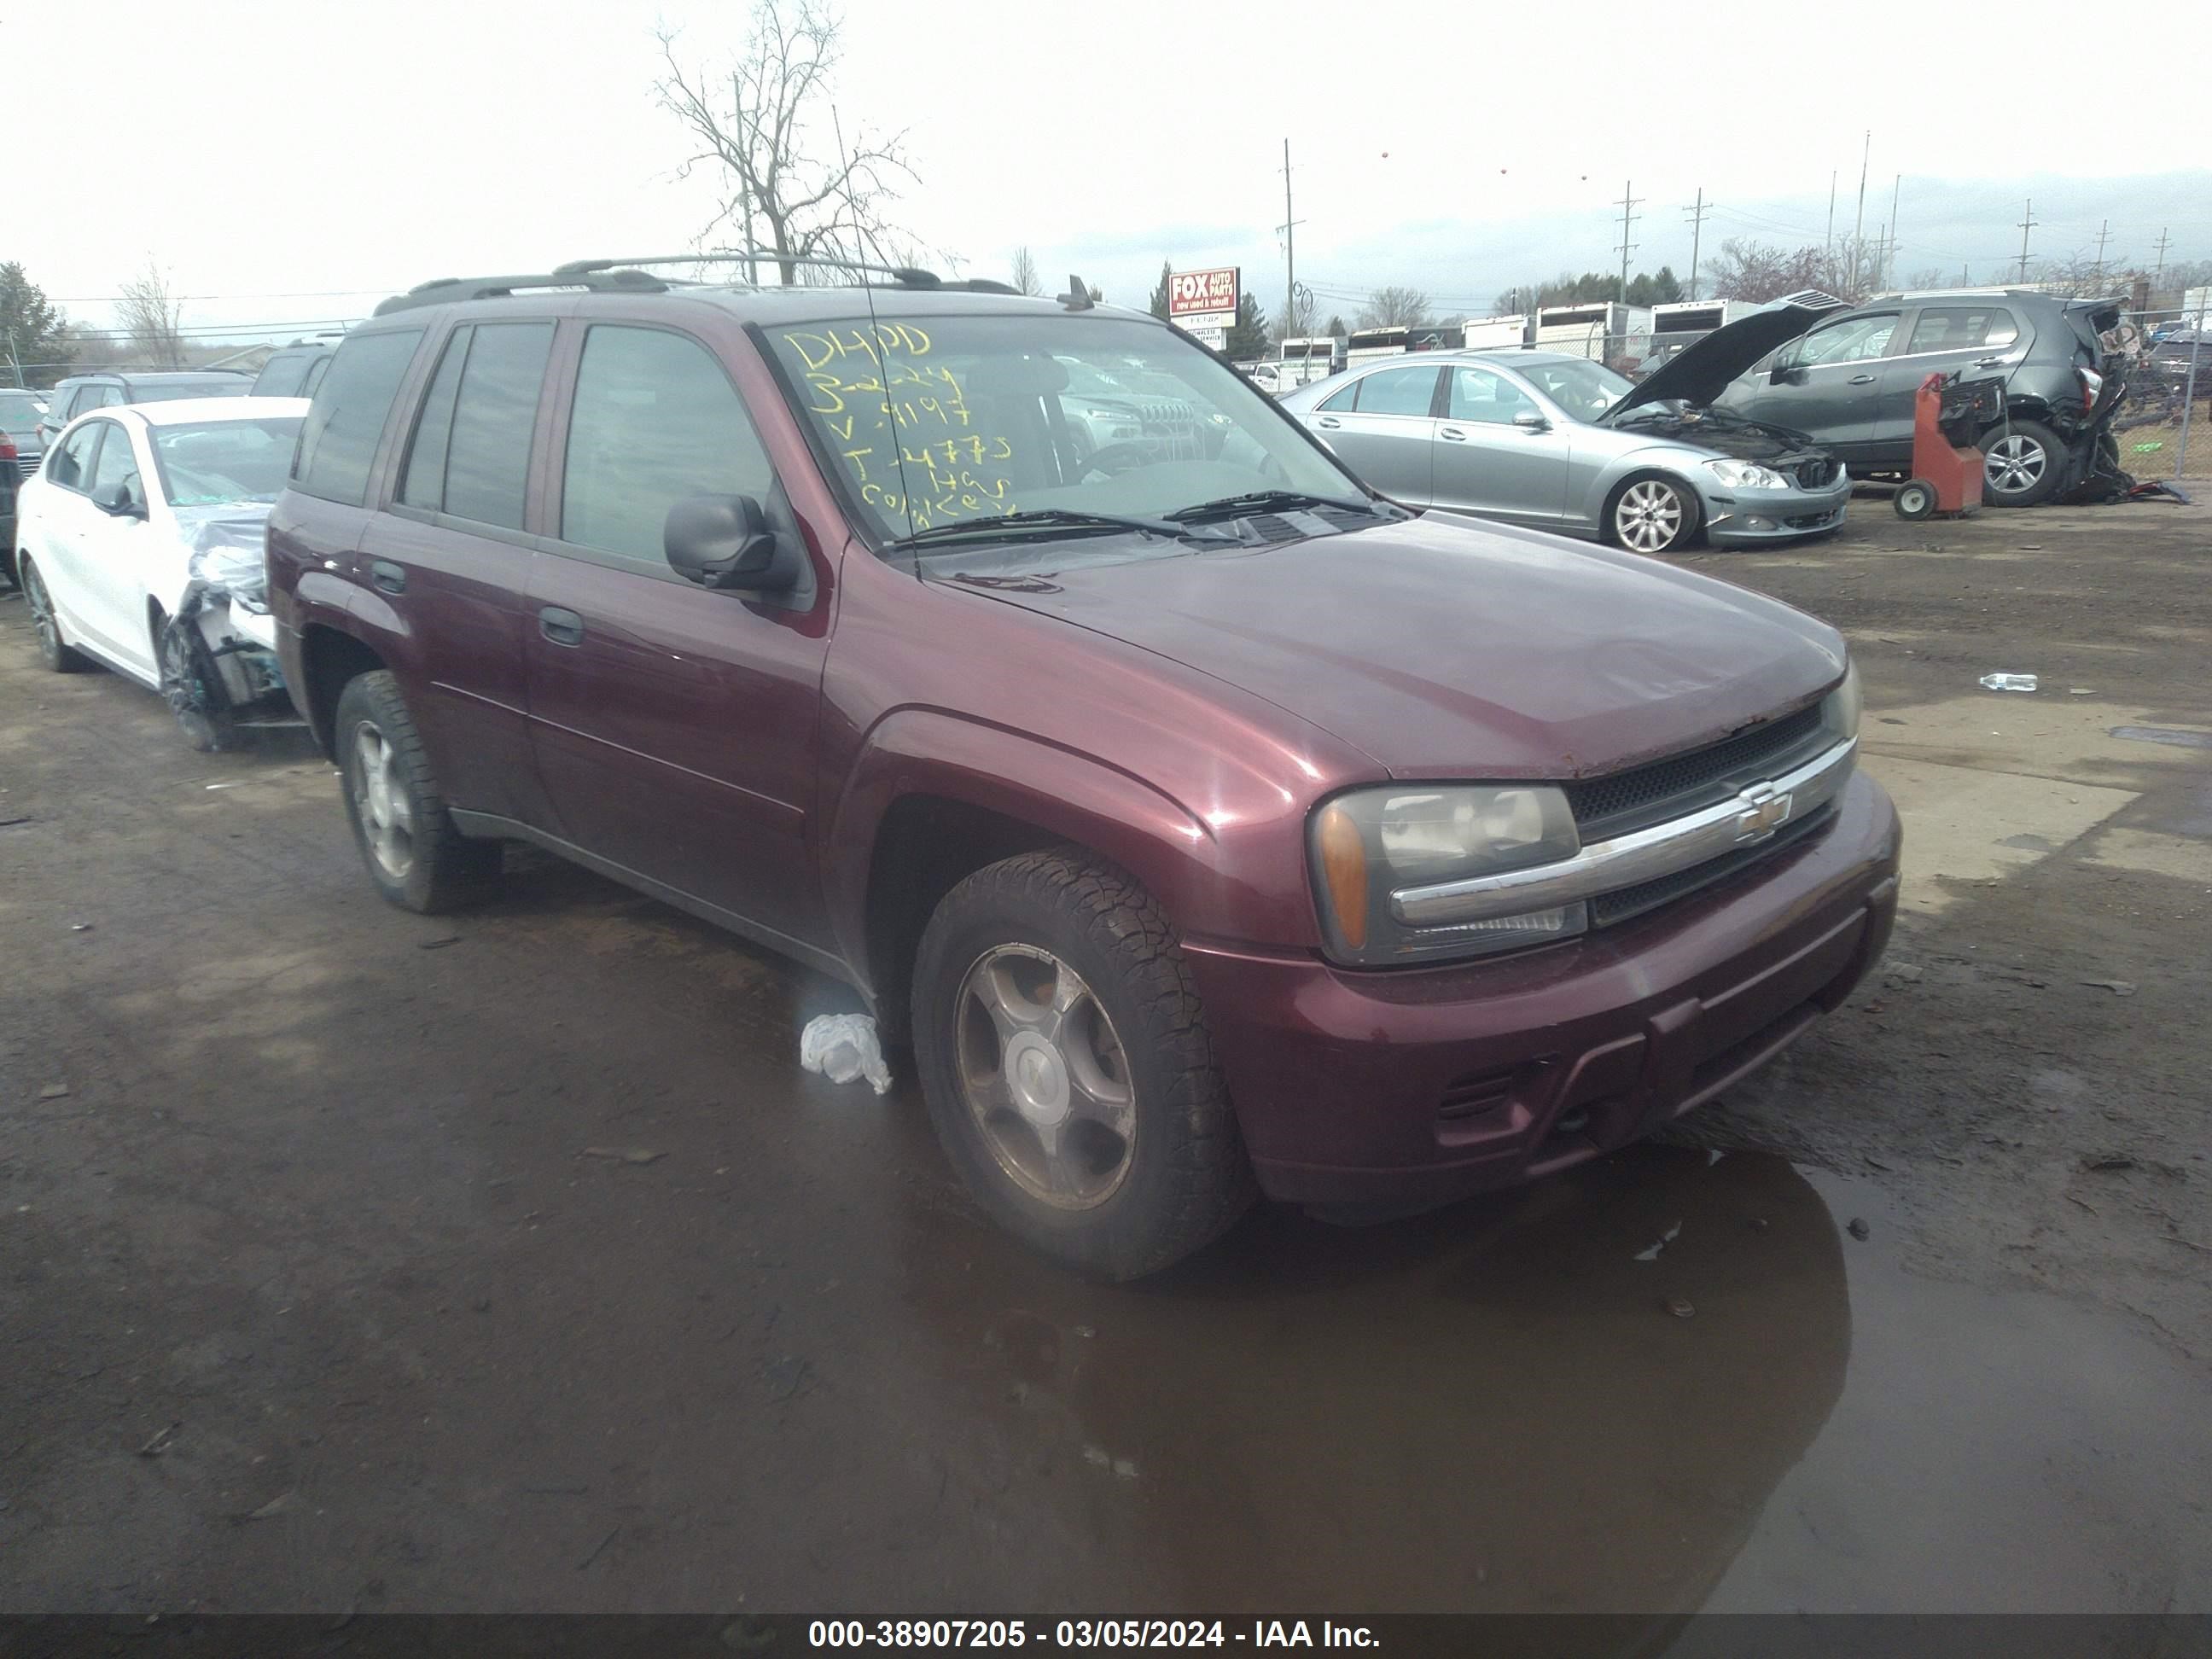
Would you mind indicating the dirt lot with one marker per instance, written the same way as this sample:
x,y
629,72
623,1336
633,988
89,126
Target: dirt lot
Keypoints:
x,y
351,1258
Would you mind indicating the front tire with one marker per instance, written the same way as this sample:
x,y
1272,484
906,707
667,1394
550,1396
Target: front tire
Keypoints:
x,y
413,853
193,686
59,658
1651,514
1068,1069
2022,463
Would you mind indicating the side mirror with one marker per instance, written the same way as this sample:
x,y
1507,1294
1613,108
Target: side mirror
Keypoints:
x,y
1532,420
129,506
724,541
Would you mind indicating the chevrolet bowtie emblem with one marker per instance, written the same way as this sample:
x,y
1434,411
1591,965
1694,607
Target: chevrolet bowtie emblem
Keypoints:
x,y
1766,809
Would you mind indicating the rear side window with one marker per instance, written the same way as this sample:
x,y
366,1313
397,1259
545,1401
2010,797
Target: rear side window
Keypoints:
x,y
338,446
655,420
285,377
471,457
1955,328
1397,392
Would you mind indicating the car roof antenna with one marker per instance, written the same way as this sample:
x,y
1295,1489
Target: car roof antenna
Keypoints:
x,y
1077,297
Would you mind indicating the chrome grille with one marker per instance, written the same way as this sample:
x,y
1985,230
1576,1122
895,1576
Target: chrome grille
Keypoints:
x,y
1612,805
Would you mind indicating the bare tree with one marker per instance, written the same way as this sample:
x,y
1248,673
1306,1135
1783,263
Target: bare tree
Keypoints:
x,y
757,123
1298,318
153,316
1025,272
1395,307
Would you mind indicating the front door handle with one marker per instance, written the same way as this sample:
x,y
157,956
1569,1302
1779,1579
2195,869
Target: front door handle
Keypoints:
x,y
1861,380
562,627
391,578
1330,421
1452,433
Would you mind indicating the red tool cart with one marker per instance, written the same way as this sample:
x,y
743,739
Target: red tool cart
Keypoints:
x,y
1948,414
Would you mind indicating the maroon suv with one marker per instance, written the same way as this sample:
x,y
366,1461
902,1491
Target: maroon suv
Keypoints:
x,y
1204,821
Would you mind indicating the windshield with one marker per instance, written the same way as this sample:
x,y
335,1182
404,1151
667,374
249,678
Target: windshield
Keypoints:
x,y
950,420
1583,389
167,391
210,462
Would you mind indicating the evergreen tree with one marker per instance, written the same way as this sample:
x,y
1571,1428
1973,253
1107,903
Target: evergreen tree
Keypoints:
x,y
1159,301
33,334
1249,338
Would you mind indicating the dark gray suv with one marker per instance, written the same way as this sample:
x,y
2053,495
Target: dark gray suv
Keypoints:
x,y
1850,383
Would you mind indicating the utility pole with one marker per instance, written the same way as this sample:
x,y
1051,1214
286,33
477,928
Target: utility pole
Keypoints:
x,y
1697,229
1828,246
1290,249
1858,229
1889,237
1629,202
2026,224
2158,272
2104,229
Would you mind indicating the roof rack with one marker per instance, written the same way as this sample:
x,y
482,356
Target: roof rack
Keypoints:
x,y
443,290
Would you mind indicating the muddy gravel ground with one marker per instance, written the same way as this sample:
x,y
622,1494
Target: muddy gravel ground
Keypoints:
x,y
354,1259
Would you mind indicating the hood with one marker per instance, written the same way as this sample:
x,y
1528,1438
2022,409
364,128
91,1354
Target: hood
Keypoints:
x,y
227,544
1444,647
1708,426
1700,372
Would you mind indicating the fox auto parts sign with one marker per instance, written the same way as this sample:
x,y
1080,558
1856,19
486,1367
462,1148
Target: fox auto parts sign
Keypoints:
x,y
1204,302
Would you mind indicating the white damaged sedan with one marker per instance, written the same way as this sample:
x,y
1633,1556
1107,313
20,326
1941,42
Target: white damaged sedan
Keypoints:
x,y
140,544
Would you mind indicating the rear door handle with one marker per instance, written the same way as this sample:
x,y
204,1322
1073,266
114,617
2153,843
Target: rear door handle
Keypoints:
x,y
391,578
562,627
1330,421
1452,433
1861,380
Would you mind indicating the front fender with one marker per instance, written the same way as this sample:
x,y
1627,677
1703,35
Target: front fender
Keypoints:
x,y
1670,458
1065,794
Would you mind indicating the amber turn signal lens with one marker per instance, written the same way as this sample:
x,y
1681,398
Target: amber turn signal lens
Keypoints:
x,y
1344,868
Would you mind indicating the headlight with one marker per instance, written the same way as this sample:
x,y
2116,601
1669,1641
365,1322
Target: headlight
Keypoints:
x,y
1372,843
1839,710
1742,474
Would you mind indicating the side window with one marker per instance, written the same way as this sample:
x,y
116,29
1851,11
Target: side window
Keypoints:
x,y
315,375
471,457
110,397
1955,328
1342,398
1397,392
655,420
115,474
1850,340
1477,394
72,466
337,446
282,378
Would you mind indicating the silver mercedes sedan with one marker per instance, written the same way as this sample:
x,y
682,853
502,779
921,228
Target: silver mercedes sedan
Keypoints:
x,y
1563,443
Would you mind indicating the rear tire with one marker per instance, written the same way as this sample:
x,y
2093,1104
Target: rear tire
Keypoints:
x,y
413,853
1068,1069
59,658
2022,464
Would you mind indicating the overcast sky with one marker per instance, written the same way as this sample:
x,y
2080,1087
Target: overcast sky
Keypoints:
x,y
290,163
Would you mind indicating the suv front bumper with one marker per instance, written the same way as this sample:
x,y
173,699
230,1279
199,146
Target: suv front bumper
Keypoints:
x,y
1418,1086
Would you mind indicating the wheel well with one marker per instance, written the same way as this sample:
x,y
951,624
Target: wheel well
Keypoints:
x,y
925,847
330,659
1690,491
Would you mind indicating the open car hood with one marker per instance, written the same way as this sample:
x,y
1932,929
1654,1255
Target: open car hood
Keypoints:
x,y
1702,372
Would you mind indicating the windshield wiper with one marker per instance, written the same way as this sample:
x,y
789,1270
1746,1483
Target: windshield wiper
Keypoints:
x,y
1048,518
1270,501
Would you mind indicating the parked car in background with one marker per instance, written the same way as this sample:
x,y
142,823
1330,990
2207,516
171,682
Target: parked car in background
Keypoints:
x,y
80,394
295,370
1556,441
20,448
1205,820
2167,366
140,546
1850,382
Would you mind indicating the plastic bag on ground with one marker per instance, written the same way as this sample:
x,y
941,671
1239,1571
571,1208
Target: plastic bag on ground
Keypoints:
x,y
843,1046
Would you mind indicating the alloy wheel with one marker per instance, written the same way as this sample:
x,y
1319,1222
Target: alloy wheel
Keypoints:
x,y
380,794
42,611
1045,1076
1649,516
2015,464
